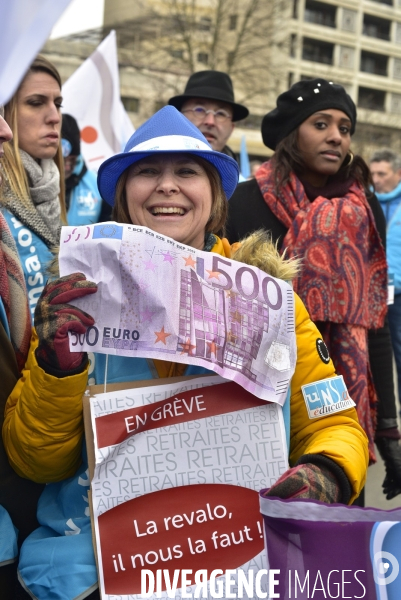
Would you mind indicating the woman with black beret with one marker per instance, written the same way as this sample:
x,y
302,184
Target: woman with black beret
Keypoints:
x,y
314,197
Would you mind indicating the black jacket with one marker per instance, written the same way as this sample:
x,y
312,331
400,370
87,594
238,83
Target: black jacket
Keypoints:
x,y
247,212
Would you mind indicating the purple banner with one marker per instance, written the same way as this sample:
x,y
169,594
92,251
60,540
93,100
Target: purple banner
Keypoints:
x,y
332,551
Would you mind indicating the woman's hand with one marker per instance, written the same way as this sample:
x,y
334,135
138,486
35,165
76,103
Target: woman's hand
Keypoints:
x,y
54,318
307,481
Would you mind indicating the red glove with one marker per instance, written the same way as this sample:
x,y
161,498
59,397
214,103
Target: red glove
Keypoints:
x,y
307,481
54,318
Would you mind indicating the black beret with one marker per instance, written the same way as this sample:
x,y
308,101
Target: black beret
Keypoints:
x,y
300,102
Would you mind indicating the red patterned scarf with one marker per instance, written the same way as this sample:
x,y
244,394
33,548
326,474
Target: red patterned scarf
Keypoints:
x,y
344,274
13,294
343,281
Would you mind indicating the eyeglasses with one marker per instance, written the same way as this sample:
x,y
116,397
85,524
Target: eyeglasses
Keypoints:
x,y
200,113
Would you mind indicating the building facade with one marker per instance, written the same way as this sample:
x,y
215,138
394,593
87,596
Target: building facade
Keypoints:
x,y
265,45
356,43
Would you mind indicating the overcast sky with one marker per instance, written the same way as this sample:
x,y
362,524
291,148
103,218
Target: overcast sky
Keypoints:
x,y
79,15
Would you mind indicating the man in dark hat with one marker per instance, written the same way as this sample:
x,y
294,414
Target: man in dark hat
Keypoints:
x,y
208,102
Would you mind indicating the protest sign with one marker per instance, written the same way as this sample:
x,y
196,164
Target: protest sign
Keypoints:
x,y
333,551
160,299
175,487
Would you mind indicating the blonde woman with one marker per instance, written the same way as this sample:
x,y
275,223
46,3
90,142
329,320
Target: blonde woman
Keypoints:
x,y
32,197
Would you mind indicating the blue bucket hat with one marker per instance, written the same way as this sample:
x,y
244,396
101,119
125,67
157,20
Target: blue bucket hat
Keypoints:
x,y
168,131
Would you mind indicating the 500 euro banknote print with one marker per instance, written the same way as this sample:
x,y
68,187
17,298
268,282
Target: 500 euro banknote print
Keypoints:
x,y
160,299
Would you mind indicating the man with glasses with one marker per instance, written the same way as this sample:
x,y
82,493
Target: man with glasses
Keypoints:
x,y
208,102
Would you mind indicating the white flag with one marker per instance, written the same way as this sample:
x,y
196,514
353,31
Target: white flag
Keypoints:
x,y
25,26
92,96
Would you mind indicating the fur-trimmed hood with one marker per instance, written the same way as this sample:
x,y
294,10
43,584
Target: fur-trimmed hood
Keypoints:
x,y
259,251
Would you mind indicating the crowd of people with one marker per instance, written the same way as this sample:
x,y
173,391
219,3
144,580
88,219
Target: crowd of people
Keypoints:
x,y
314,213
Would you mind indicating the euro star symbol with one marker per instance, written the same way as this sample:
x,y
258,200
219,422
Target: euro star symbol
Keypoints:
x,y
167,257
147,315
189,261
187,347
231,338
149,265
161,336
236,316
214,274
212,347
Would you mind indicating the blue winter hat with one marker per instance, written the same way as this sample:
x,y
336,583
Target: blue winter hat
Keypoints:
x,y
168,131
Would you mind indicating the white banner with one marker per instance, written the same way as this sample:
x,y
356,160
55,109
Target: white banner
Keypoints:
x,y
92,96
25,26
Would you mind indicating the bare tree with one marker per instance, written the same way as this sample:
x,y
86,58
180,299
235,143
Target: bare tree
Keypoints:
x,y
171,39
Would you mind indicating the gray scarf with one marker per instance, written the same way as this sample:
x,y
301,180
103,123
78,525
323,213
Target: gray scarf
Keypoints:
x,y
44,186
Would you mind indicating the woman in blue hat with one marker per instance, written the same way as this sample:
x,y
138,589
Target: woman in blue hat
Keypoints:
x,y
170,180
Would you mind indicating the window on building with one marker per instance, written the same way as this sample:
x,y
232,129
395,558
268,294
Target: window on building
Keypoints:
x,y
317,51
230,58
204,24
293,45
159,104
232,23
290,79
203,57
371,99
389,2
374,63
130,104
376,27
319,13
252,122
177,53
295,5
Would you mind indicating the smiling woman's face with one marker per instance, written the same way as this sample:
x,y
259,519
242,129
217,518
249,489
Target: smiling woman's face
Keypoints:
x,y
324,140
170,194
39,116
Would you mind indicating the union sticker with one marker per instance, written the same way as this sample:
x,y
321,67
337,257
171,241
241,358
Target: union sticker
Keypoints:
x,y
326,397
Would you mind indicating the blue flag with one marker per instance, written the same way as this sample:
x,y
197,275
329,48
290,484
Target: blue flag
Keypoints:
x,y
244,160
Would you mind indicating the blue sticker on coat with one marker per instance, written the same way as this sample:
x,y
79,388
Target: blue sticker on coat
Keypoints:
x,y
326,397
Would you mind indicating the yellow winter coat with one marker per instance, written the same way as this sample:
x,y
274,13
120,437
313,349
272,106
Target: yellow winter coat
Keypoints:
x,y
43,426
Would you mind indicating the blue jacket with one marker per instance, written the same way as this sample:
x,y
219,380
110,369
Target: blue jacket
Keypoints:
x,y
391,205
34,255
85,201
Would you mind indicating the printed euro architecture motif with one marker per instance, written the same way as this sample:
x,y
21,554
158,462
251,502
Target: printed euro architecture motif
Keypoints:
x,y
160,299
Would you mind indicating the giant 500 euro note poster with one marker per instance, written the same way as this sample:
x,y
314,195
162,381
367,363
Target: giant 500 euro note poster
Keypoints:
x,y
160,299
177,473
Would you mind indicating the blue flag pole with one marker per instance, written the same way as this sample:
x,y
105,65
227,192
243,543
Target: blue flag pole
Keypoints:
x,y
244,160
